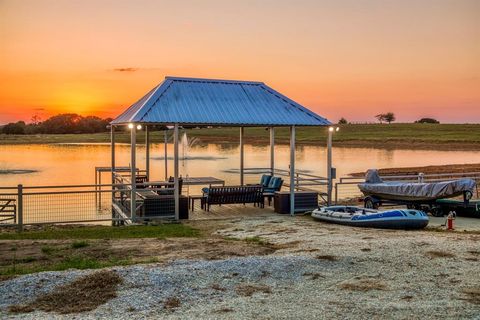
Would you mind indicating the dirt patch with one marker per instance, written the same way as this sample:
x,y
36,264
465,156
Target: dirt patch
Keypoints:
x,y
217,287
363,285
83,294
472,294
224,310
313,275
439,254
327,257
171,303
248,290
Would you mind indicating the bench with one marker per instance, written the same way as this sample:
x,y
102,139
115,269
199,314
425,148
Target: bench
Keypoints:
x,y
234,194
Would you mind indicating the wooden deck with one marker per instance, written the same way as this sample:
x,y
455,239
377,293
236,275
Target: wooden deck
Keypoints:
x,y
226,211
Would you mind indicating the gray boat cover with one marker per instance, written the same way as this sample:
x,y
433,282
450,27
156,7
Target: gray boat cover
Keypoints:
x,y
410,191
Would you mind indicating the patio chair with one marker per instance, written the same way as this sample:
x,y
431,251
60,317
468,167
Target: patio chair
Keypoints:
x,y
275,184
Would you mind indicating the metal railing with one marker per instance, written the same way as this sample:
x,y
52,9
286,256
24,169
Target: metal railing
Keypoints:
x,y
303,181
346,189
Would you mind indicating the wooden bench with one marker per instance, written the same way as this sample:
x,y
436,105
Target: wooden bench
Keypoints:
x,y
234,194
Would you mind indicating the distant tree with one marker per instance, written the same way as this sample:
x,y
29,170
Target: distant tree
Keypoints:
x,y
387,117
14,128
427,120
342,121
62,123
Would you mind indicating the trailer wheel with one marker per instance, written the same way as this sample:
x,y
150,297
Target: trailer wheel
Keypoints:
x,y
370,204
436,212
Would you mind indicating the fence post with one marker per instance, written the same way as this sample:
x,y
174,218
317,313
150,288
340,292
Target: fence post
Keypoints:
x,y
336,193
20,208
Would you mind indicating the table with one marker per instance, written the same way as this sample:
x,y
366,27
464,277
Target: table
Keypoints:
x,y
197,197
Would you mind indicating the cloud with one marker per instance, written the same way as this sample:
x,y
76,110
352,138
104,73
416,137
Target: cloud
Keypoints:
x,y
129,69
39,109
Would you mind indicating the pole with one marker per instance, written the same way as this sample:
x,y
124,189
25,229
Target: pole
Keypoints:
x,y
272,151
133,172
112,150
241,156
292,170
147,153
166,153
20,208
175,170
329,166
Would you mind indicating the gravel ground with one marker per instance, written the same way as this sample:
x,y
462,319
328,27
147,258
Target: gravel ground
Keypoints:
x,y
320,271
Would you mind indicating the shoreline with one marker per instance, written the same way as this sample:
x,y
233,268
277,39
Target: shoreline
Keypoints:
x,y
260,141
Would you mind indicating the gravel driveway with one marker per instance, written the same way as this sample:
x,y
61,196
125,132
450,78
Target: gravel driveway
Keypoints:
x,y
319,271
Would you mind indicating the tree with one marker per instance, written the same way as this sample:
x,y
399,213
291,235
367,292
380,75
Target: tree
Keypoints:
x,y
427,120
14,128
342,121
387,117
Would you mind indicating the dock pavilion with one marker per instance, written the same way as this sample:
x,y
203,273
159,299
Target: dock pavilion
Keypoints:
x,y
206,103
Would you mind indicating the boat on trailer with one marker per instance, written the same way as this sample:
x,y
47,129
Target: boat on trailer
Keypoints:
x,y
370,218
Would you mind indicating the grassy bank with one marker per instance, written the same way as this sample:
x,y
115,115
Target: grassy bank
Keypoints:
x,y
425,136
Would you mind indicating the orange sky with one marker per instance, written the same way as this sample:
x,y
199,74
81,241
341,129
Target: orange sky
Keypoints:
x,y
350,58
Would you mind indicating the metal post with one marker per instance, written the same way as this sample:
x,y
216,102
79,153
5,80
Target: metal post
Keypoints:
x,y
20,208
175,170
147,153
133,172
292,170
329,166
166,153
272,151
241,156
112,150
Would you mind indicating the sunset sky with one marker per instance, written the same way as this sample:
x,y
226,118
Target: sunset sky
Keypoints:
x,y
340,58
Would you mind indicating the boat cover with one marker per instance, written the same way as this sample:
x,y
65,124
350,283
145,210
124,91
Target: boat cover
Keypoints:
x,y
375,186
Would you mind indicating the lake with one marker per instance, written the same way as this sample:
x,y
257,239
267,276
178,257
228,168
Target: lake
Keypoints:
x,y
74,163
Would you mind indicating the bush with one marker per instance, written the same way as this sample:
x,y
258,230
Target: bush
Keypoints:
x,y
342,121
427,120
14,128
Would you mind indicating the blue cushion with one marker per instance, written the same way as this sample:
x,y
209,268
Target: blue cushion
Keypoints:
x,y
265,180
205,190
274,182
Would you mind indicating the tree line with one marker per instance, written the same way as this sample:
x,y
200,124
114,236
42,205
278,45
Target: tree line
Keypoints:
x,y
389,117
59,124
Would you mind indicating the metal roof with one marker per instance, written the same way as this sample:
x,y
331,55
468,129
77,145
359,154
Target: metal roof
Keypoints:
x,y
193,101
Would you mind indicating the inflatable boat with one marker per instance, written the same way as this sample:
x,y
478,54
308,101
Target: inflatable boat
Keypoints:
x,y
368,218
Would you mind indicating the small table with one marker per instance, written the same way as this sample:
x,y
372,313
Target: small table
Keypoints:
x,y
197,197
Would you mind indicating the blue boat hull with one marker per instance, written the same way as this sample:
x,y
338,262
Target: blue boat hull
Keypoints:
x,y
393,219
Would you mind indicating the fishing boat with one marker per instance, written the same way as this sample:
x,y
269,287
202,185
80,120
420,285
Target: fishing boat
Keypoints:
x,y
369,218
418,195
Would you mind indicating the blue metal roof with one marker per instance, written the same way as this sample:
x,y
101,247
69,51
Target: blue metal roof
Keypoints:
x,y
192,101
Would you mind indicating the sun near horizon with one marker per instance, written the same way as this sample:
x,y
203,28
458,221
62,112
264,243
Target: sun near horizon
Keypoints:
x,y
351,59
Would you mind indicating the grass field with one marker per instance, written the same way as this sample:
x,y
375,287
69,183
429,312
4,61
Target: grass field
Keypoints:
x,y
444,136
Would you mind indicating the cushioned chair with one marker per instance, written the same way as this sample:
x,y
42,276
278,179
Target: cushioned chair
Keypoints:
x,y
275,184
265,180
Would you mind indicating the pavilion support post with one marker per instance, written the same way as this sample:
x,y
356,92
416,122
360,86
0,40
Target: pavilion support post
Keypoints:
x,y
272,151
133,172
329,167
112,151
147,152
166,153
241,157
175,170
292,170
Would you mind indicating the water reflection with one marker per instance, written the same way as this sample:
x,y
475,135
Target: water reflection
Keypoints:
x,y
75,163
